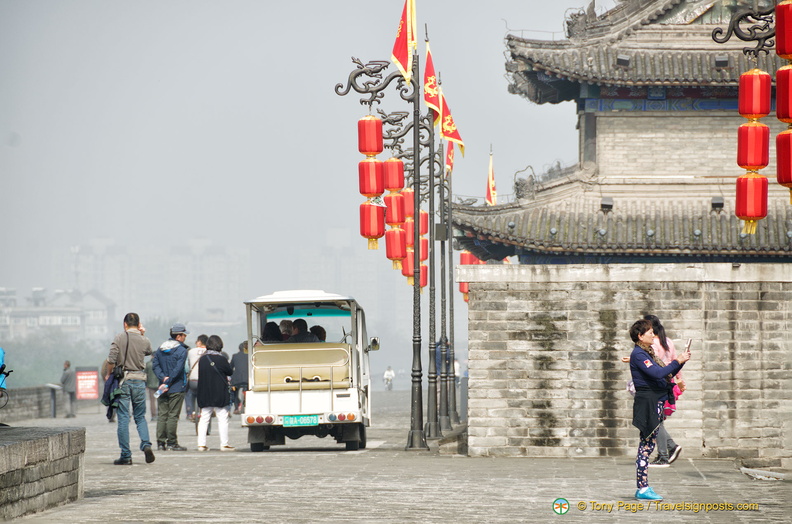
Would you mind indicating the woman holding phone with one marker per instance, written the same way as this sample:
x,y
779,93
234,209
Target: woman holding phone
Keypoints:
x,y
667,449
650,376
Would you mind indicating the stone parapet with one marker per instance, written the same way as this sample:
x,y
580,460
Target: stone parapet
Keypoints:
x,y
545,344
27,403
39,468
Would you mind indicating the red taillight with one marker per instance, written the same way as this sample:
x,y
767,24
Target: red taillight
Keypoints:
x,y
259,419
268,419
341,416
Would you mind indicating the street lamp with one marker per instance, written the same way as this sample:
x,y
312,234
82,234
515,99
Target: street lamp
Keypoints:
x,y
374,86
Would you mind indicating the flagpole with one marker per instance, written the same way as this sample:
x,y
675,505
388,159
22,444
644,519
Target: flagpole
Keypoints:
x,y
444,238
450,340
432,421
416,440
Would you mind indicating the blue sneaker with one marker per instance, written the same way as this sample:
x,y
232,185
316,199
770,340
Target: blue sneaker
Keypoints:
x,y
649,494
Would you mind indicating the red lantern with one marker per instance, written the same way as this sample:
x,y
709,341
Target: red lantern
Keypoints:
x,y
424,275
751,203
754,94
372,223
467,258
424,249
395,210
753,146
409,202
370,177
784,160
395,249
783,29
408,264
394,174
784,94
409,229
370,135
424,222
464,288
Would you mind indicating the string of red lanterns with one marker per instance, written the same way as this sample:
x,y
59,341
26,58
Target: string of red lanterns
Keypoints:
x,y
783,17
395,243
753,148
371,180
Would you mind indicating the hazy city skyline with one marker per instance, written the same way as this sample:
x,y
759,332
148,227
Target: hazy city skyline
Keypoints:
x,y
155,123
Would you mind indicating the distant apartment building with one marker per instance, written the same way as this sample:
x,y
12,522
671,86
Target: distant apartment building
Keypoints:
x,y
71,314
197,280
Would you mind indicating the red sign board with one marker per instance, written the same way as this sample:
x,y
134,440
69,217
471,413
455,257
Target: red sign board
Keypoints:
x,y
87,383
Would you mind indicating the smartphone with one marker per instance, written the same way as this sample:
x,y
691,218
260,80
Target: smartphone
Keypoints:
x,y
687,344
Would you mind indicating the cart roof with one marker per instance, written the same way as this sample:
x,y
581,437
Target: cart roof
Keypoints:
x,y
300,296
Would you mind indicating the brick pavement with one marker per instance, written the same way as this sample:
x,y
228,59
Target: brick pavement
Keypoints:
x,y
315,480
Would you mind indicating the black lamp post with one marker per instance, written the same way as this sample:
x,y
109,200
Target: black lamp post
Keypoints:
x,y
374,86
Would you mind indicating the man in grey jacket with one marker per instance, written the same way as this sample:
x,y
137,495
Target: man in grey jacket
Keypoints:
x,y
69,384
128,350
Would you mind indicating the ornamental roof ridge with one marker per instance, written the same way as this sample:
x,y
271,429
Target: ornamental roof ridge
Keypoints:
x,y
618,22
551,71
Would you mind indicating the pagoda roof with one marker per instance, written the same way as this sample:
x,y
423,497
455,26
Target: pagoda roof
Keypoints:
x,y
650,43
637,228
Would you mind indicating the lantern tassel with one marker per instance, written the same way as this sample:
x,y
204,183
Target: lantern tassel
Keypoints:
x,y
790,196
749,227
373,243
411,281
397,264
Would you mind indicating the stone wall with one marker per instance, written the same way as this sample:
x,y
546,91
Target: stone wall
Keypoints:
x,y
544,356
27,403
39,468
638,143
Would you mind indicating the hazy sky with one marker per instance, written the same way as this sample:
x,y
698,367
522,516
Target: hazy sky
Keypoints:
x,y
154,122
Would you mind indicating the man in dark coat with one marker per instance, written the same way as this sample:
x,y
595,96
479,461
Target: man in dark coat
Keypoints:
x,y
239,378
300,332
168,363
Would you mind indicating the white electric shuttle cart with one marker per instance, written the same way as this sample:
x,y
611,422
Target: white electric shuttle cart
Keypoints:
x,y
298,389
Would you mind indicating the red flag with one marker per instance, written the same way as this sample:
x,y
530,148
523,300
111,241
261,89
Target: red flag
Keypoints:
x,y
449,158
405,41
448,129
431,90
492,195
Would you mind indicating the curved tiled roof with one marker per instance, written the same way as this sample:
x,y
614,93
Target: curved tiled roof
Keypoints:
x,y
660,228
656,55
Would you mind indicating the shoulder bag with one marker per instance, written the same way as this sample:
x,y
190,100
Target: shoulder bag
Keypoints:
x,y
118,370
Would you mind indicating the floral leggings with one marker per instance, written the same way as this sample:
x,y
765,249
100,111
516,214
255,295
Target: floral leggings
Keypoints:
x,y
645,448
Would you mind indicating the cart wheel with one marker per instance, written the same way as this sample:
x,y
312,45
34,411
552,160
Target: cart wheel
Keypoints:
x,y
256,447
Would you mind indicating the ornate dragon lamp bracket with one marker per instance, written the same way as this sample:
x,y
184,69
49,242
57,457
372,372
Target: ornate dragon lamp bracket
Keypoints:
x,y
750,26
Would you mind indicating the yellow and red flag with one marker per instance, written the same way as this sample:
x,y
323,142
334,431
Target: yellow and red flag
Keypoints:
x,y
492,195
448,129
405,43
449,158
431,89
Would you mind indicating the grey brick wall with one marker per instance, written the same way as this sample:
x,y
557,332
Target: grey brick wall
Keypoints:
x,y
544,356
39,468
34,402
630,143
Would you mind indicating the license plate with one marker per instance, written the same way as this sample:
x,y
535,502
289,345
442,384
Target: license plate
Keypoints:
x,y
301,420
